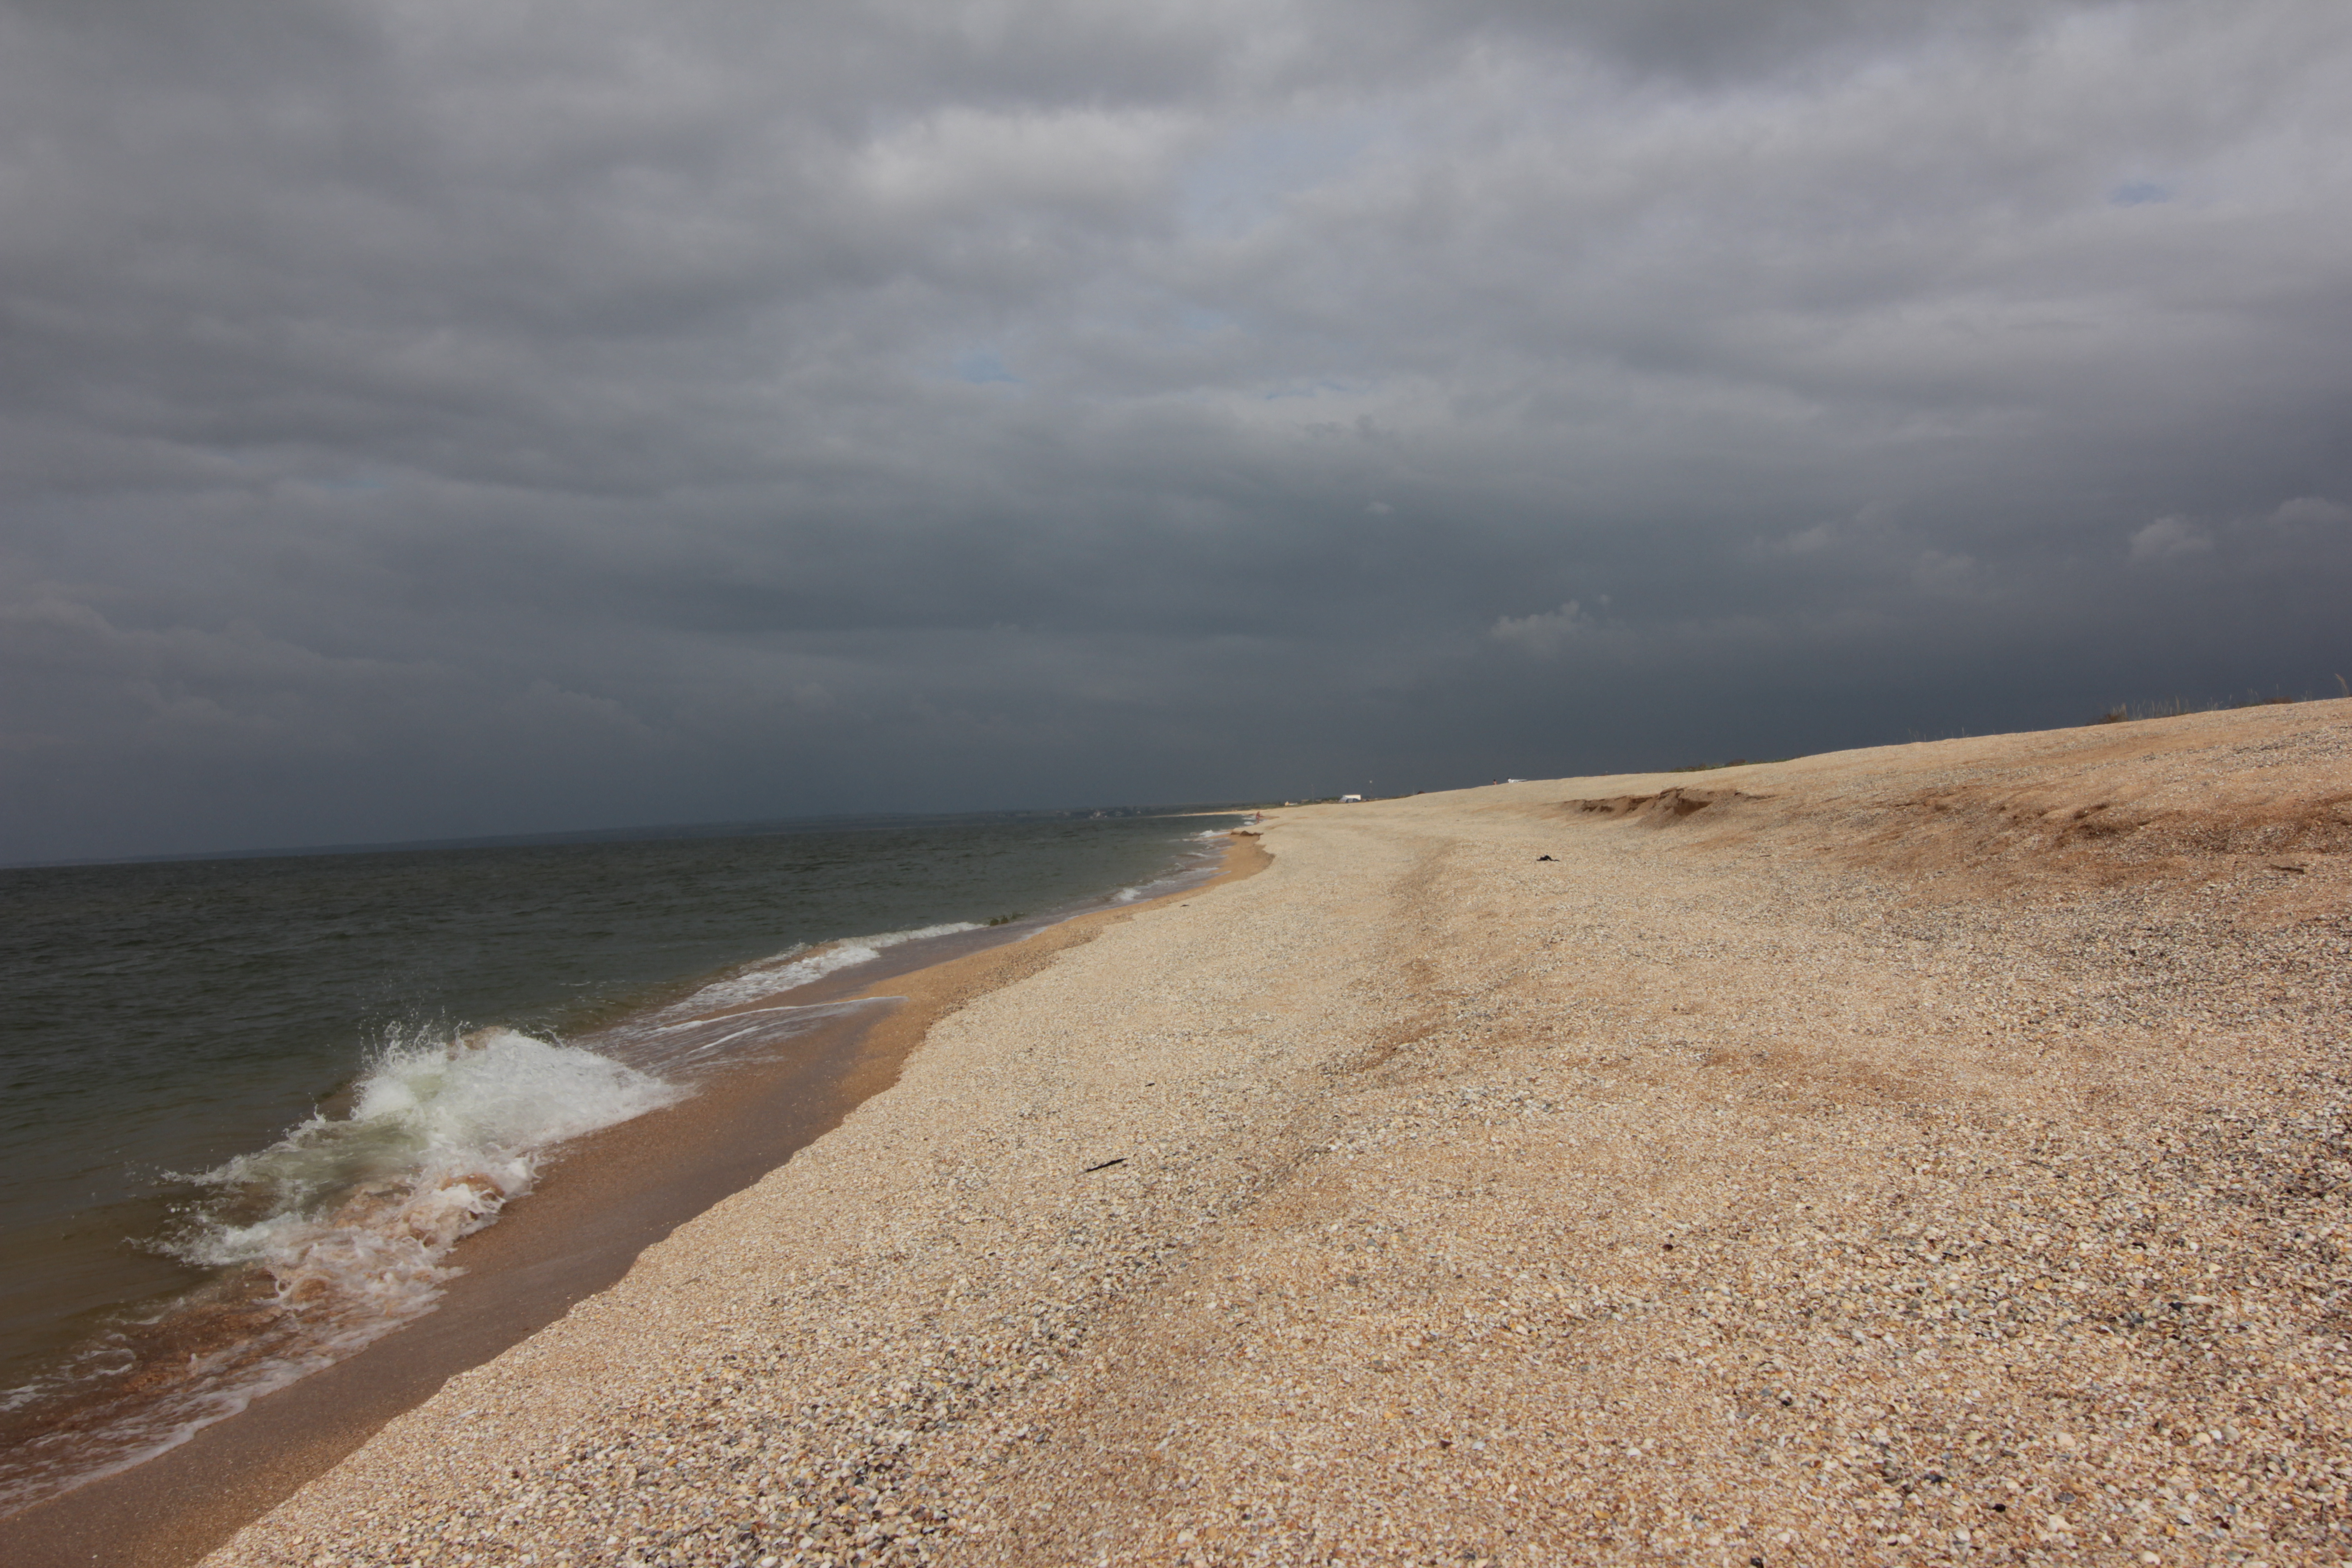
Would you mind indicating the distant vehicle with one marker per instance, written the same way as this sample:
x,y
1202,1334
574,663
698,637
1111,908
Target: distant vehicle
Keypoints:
x,y
1346,798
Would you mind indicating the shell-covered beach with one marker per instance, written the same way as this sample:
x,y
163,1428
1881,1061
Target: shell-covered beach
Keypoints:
x,y
1931,1153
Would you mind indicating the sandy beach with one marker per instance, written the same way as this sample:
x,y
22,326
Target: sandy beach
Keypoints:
x,y
1931,1153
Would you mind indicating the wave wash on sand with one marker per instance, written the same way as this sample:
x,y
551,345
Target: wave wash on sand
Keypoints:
x,y
324,1242
1925,1154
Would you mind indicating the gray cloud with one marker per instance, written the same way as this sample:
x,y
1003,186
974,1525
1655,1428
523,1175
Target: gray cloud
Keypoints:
x,y
448,418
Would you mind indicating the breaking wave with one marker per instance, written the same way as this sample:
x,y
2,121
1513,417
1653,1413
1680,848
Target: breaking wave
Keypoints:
x,y
441,1136
327,1240
803,965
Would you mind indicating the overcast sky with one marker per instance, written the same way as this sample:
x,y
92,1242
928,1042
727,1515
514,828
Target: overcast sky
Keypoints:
x,y
435,417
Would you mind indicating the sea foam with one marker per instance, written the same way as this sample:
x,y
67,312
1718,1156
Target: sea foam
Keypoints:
x,y
357,1211
341,1226
804,966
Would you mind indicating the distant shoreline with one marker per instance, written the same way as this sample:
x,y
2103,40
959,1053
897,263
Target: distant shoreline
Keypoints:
x,y
851,823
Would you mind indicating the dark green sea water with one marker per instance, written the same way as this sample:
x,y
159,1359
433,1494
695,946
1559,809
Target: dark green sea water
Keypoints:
x,y
204,1061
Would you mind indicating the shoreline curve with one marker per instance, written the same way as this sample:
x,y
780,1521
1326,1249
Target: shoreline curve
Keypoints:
x,y
600,1201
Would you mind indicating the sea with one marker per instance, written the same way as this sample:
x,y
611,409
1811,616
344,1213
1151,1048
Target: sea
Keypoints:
x,y
251,1103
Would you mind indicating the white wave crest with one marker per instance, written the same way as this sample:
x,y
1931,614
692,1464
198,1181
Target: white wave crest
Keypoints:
x,y
348,1218
352,1216
802,966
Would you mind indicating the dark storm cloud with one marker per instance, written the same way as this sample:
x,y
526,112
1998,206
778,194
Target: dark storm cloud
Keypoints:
x,y
428,418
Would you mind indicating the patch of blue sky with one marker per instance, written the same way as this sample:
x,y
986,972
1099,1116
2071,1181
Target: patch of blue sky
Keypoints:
x,y
1243,181
983,367
2139,194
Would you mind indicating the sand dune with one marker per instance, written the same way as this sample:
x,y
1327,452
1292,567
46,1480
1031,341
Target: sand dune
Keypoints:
x,y
1922,1154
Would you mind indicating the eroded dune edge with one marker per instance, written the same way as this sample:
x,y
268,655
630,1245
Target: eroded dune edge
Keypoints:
x,y
1929,1154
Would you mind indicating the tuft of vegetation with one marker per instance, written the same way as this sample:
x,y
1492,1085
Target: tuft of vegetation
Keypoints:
x,y
2178,707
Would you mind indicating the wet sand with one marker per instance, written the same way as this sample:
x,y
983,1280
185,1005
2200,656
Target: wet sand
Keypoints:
x,y
1937,1154
606,1198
